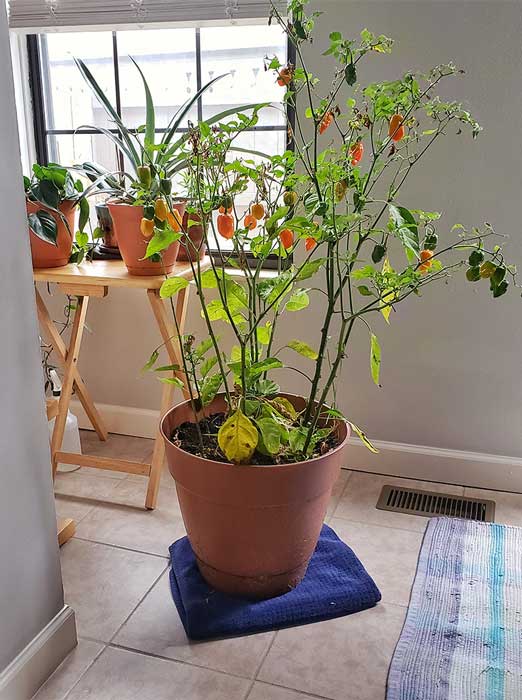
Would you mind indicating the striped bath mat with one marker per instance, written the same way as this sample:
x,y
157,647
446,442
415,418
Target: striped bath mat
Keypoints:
x,y
462,639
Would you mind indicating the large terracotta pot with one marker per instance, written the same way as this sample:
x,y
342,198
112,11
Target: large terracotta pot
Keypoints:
x,y
198,247
46,254
253,529
126,220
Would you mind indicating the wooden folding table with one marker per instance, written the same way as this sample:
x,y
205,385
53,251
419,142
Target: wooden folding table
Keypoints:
x,y
94,279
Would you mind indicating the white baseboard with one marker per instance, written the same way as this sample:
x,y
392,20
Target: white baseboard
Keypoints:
x,y
40,658
140,422
474,469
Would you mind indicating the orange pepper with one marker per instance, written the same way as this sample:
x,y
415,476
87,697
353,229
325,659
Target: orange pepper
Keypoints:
x,y
287,238
285,76
250,222
426,260
396,127
257,210
356,152
225,225
310,243
325,122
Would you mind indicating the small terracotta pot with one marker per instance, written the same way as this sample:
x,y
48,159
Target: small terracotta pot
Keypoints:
x,y
253,529
46,254
126,219
105,223
198,247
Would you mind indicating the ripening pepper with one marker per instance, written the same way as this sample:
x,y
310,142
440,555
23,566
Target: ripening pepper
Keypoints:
x,y
287,238
174,220
225,225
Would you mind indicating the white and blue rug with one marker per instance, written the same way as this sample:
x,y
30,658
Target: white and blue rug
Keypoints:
x,y
462,639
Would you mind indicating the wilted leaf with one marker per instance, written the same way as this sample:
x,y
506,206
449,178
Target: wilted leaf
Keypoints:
x,y
363,437
151,361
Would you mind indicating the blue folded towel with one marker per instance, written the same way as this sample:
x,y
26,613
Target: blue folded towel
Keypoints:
x,y
335,584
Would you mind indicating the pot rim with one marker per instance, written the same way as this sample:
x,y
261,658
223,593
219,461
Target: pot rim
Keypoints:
x,y
119,203
339,447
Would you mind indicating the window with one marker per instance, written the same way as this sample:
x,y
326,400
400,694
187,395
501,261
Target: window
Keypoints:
x,y
176,62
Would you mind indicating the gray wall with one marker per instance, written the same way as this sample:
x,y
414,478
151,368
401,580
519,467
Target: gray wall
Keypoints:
x,y
450,367
30,581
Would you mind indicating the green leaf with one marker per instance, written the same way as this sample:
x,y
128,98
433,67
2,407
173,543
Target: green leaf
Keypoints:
x,y
263,333
404,226
207,365
150,125
270,434
298,301
363,289
84,213
203,347
81,239
265,365
210,387
238,438
303,349
43,226
167,368
172,380
375,358
310,268
172,286
266,387
151,361
49,193
160,241
296,439
363,437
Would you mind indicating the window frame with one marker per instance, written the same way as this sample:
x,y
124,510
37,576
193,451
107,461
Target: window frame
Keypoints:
x,y
38,68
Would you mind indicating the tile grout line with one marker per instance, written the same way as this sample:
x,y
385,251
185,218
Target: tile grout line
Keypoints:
x,y
119,546
156,580
151,655
89,666
384,527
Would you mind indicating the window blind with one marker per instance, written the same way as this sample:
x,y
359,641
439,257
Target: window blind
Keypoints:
x,y
35,16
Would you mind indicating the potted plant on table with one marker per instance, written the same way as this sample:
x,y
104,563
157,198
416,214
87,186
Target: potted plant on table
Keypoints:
x,y
145,215
52,197
254,466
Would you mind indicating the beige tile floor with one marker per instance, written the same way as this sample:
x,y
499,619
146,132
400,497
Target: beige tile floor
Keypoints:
x,y
132,644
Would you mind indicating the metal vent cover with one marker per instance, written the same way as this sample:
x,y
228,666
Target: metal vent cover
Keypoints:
x,y
431,504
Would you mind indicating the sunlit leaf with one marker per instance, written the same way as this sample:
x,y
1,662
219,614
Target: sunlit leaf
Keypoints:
x,y
375,358
303,349
172,286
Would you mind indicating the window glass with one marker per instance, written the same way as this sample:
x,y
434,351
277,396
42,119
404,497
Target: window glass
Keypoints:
x,y
167,58
69,103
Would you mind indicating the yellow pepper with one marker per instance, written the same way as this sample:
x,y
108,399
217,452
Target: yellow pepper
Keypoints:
x,y
174,220
147,227
160,209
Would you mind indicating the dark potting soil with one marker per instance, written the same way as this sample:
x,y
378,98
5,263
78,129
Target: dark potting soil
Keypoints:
x,y
186,437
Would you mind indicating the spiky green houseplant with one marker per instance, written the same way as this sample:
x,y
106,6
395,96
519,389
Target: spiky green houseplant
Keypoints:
x,y
155,158
359,249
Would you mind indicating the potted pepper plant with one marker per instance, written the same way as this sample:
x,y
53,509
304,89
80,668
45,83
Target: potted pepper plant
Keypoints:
x,y
254,465
52,197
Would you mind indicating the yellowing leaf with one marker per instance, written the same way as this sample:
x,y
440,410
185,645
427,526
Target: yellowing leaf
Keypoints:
x,y
363,437
303,349
375,358
387,295
238,438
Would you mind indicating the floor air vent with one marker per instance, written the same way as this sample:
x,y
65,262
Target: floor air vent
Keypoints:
x,y
431,504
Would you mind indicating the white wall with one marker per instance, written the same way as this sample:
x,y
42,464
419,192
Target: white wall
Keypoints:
x,y
450,369
30,581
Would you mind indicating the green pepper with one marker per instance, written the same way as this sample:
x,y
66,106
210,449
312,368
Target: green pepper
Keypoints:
x,y
165,186
473,274
378,253
430,242
144,175
498,275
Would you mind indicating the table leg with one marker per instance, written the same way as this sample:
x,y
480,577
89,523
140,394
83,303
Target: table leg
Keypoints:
x,y
173,347
61,352
69,377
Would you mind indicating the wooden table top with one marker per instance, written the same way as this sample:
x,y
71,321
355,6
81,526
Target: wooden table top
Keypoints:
x,y
110,273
